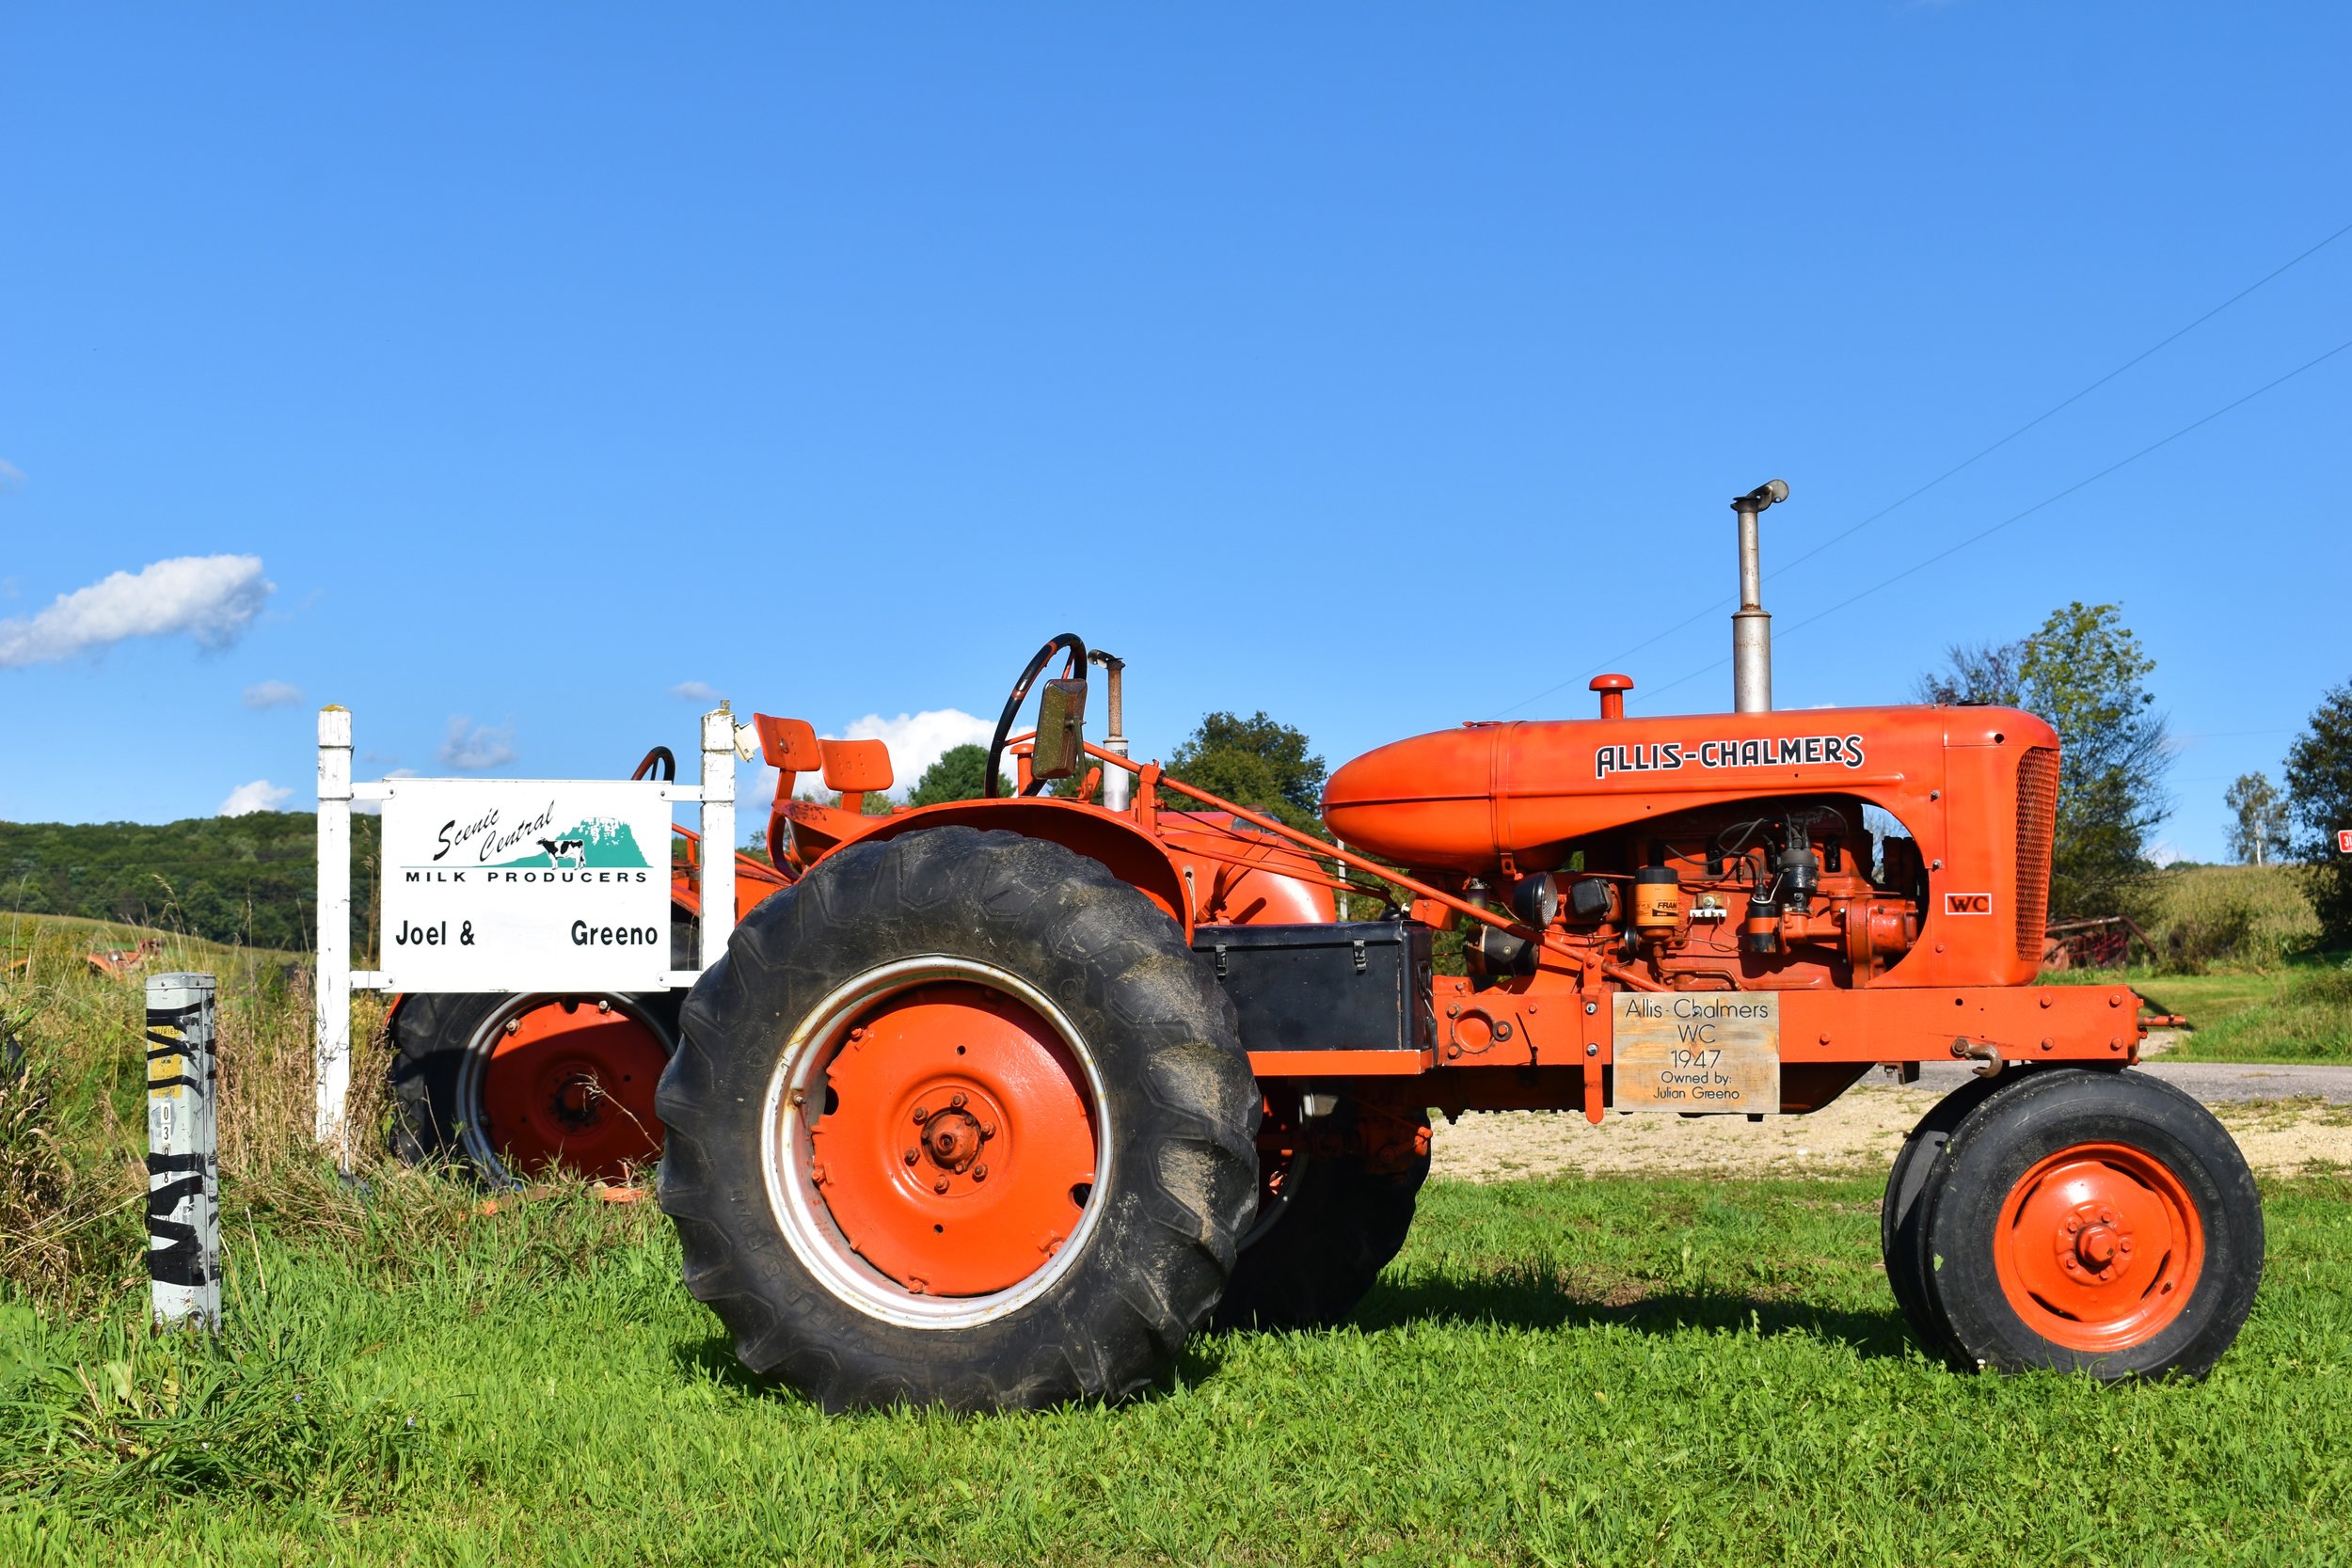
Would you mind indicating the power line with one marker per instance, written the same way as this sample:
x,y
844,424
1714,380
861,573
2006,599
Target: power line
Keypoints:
x,y
1956,468
2060,407
2019,516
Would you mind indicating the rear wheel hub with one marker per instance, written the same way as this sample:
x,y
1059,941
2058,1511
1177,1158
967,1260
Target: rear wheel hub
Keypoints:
x,y
569,1083
956,1147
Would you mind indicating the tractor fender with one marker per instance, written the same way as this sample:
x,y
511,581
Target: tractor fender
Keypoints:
x,y
1125,851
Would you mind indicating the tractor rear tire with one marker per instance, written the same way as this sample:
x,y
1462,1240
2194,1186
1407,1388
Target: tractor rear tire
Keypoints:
x,y
910,1014
2090,1221
1321,1254
506,1088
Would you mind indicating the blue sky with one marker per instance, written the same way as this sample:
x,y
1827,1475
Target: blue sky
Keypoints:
x,y
1379,366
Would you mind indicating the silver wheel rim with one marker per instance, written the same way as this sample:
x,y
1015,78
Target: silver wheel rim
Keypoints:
x,y
474,1063
784,1153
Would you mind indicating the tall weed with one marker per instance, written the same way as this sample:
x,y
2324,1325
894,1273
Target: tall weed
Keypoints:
x,y
73,1114
2251,915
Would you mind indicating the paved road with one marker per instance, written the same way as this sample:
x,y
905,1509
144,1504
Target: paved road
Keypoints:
x,y
2215,1083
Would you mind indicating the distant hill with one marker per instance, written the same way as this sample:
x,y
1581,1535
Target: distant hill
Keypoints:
x,y
241,880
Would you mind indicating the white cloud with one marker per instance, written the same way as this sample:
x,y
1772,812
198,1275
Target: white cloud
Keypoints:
x,y
472,748
12,477
917,740
695,691
2164,852
211,599
272,695
261,795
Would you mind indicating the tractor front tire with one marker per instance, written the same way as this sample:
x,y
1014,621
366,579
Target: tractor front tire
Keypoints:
x,y
958,1121
1902,1236
2090,1221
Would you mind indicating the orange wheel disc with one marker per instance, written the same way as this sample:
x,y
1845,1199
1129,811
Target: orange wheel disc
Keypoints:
x,y
2098,1247
955,1148
568,1082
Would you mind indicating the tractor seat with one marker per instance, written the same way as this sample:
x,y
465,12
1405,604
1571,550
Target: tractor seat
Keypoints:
x,y
852,768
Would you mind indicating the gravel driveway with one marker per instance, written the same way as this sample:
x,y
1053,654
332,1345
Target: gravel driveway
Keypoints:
x,y
2288,1120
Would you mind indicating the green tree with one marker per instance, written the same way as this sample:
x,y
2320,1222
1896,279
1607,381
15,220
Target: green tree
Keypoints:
x,y
960,774
2319,791
2259,833
2083,672
1980,673
1255,762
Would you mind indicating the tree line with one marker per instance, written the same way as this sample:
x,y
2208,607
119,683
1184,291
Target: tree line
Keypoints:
x,y
246,880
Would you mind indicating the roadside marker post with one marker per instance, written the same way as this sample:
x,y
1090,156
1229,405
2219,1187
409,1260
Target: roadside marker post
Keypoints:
x,y
512,886
182,1151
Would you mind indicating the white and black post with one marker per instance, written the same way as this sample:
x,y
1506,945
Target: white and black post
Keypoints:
x,y
182,1142
330,986
718,819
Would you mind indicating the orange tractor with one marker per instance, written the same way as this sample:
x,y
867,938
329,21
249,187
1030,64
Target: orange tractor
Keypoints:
x,y
1000,1101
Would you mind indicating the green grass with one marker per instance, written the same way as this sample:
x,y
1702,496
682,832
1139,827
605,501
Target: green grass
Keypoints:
x,y
2305,1017
2297,1011
1608,1371
2204,1000
1574,1371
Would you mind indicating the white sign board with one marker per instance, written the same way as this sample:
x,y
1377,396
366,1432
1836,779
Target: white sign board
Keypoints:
x,y
525,885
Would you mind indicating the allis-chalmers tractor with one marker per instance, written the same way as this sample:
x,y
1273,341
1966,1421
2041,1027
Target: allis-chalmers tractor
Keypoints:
x,y
993,1103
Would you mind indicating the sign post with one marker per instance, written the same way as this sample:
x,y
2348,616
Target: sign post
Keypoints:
x,y
718,798
330,988
511,885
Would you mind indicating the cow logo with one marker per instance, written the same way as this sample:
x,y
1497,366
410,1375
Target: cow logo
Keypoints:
x,y
592,844
1967,903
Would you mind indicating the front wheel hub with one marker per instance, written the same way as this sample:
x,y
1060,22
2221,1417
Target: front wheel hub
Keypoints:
x,y
2099,1248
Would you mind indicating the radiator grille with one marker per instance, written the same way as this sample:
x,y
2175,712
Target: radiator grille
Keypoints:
x,y
2037,816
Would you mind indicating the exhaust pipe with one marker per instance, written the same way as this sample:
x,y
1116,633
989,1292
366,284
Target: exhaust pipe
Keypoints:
x,y
1751,627
1117,782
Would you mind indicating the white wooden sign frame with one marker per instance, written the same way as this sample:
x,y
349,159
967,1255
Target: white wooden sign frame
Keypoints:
x,y
336,979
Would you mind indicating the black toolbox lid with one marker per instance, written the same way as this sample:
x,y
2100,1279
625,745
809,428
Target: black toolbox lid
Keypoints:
x,y
1342,933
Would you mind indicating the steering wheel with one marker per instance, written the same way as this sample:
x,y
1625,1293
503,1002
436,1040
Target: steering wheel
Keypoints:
x,y
1074,666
